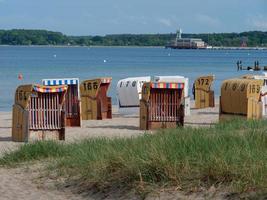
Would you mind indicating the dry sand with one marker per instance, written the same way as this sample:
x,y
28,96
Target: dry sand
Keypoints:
x,y
18,183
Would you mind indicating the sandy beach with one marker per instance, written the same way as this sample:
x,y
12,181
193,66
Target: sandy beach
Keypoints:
x,y
118,126
19,183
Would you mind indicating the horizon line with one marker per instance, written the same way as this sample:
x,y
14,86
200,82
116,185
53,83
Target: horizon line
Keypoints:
x,y
55,31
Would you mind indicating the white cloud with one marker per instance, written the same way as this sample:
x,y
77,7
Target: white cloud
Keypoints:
x,y
258,22
138,19
165,22
207,20
113,21
144,22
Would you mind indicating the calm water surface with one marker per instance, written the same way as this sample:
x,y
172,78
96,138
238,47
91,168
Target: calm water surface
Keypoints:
x,y
36,63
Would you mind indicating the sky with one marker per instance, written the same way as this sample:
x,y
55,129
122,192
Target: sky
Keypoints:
x,y
101,17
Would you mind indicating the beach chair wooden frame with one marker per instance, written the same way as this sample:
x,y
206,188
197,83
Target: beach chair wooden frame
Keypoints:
x,y
162,105
96,105
38,113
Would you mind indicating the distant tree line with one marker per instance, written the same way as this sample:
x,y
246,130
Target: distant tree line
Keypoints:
x,y
32,37
43,37
251,39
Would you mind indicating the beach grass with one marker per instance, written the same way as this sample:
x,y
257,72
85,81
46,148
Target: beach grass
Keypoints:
x,y
231,154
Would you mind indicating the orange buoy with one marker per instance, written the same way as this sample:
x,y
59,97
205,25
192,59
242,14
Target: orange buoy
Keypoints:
x,y
20,76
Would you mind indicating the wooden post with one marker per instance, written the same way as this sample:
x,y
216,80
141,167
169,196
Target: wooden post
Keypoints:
x,y
143,115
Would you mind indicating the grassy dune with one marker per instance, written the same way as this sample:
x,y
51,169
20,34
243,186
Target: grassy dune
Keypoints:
x,y
232,154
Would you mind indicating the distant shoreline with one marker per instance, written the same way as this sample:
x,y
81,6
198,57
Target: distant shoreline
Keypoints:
x,y
77,46
34,38
100,46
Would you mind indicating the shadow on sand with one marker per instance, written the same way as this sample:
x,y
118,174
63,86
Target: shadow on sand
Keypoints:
x,y
5,139
5,127
116,127
199,124
208,113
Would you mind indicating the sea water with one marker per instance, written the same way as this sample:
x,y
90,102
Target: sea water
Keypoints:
x,y
37,63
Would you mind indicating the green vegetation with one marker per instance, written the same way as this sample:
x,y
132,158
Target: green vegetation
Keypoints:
x,y
43,37
252,39
32,37
233,155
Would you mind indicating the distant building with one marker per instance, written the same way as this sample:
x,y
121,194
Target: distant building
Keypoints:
x,y
186,43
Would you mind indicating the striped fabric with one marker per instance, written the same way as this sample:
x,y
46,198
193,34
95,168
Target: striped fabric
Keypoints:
x,y
167,85
43,89
65,81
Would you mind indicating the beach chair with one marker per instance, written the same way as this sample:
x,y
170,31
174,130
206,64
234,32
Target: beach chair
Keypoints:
x,y
203,93
72,105
96,105
38,113
241,98
162,105
129,92
263,92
